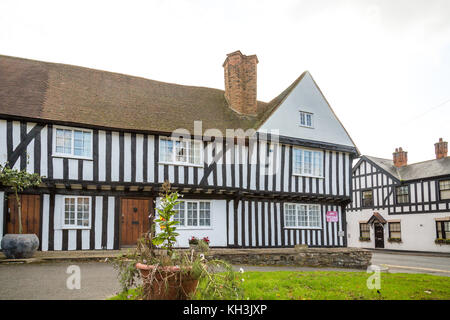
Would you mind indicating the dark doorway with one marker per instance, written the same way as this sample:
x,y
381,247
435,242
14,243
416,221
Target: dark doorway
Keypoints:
x,y
134,219
379,235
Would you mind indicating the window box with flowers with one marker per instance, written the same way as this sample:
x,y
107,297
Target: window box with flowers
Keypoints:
x,y
199,244
394,240
442,241
364,239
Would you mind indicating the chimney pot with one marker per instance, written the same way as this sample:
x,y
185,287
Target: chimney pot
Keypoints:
x,y
240,82
441,149
400,157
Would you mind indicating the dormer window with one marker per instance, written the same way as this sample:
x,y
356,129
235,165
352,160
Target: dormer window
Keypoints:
x,y
306,119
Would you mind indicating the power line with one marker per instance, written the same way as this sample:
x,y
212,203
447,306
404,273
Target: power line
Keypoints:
x,y
427,111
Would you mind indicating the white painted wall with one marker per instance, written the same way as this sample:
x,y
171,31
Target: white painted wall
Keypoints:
x,y
418,231
217,233
307,97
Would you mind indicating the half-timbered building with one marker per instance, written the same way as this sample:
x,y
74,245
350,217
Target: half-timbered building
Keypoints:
x,y
104,144
401,206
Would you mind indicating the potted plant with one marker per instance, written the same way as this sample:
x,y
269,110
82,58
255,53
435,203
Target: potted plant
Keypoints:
x,y
206,240
193,242
19,246
201,245
169,274
442,241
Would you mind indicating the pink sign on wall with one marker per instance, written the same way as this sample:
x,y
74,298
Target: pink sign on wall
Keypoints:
x,y
332,216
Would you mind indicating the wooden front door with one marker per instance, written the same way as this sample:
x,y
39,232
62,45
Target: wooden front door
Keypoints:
x,y
379,236
134,218
31,206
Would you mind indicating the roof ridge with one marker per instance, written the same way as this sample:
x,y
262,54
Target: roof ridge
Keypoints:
x,y
115,73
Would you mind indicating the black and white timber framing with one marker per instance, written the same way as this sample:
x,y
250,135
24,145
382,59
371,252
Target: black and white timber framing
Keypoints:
x,y
424,193
126,163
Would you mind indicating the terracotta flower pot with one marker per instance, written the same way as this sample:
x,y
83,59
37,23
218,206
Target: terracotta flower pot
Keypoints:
x,y
169,283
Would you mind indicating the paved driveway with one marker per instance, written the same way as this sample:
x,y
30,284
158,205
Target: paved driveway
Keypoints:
x,y
48,281
99,279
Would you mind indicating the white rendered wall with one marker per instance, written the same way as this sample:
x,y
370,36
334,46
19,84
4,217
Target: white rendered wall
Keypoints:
x,y
418,231
217,232
307,97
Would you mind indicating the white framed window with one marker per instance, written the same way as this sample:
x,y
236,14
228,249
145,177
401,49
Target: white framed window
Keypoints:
x,y
180,151
306,119
302,216
308,162
76,212
193,214
72,143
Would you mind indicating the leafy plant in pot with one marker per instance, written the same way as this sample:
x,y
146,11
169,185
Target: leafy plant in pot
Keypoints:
x,y
170,276
149,272
17,246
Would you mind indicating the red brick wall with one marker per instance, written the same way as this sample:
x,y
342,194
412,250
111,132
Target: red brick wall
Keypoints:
x,y
400,158
240,82
441,149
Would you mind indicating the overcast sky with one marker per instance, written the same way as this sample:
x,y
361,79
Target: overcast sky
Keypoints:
x,y
384,66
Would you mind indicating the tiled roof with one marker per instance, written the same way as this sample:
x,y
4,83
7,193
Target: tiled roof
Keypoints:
x,y
71,94
419,170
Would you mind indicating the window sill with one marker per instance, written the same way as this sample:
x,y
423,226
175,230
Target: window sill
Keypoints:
x,y
55,155
364,239
194,228
302,228
75,228
394,240
308,127
180,164
307,176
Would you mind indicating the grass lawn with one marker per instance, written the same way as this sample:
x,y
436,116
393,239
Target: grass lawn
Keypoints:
x,y
322,285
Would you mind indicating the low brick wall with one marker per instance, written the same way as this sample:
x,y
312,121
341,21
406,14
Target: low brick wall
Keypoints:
x,y
353,258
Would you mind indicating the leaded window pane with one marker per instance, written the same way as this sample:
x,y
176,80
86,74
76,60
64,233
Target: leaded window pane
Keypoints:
x,y
402,194
444,189
290,215
307,155
314,216
302,214
166,150
204,214
179,215
298,154
192,219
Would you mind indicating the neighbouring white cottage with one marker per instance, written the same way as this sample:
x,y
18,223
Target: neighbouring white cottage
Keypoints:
x,y
401,206
105,144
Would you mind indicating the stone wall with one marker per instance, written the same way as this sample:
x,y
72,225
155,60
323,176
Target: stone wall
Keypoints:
x,y
354,258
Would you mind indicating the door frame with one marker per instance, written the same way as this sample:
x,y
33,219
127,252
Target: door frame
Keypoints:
x,y
151,209
379,226
7,212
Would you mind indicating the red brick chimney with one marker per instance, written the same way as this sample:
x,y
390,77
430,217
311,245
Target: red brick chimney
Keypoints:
x,y
441,149
400,157
240,82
